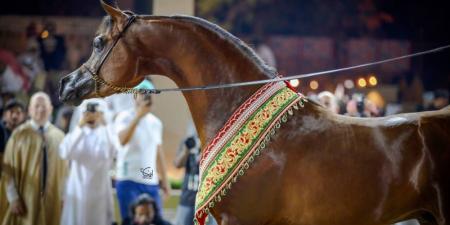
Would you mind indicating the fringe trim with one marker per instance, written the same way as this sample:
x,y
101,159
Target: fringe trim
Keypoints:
x,y
265,140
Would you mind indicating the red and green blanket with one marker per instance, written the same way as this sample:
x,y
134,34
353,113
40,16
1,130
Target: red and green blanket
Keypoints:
x,y
240,140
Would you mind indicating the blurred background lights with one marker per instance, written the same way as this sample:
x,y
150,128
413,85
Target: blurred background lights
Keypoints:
x,y
44,34
373,80
294,83
314,84
362,82
349,84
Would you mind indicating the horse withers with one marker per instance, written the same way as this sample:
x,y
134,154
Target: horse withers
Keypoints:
x,y
319,169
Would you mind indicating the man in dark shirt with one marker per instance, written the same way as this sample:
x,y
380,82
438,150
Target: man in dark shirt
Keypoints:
x,y
188,156
13,116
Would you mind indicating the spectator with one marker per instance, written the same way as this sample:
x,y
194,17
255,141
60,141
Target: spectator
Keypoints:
x,y
33,172
144,212
13,78
140,160
352,109
30,60
13,116
64,117
328,100
90,149
188,156
440,99
52,47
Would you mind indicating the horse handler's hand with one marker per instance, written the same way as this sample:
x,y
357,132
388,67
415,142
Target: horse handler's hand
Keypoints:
x,y
18,207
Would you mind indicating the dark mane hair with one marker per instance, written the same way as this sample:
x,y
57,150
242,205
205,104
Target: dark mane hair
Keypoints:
x,y
236,42
107,23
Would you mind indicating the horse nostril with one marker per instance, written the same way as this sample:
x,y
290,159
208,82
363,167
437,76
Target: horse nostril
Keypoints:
x,y
65,91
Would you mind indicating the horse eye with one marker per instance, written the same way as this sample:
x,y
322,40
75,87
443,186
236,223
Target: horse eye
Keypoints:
x,y
98,43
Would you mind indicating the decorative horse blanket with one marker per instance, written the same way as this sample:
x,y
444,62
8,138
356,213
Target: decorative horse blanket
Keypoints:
x,y
240,140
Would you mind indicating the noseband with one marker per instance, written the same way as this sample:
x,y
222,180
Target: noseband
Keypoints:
x,y
94,72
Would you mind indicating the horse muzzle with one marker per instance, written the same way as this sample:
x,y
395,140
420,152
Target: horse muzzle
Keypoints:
x,y
75,87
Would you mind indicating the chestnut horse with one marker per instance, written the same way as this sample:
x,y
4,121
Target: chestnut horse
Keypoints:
x,y
319,169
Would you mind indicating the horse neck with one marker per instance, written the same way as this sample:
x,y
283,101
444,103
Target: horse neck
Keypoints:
x,y
192,55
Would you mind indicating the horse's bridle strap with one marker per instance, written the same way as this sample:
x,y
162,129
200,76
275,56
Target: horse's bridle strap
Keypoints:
x,y
94,72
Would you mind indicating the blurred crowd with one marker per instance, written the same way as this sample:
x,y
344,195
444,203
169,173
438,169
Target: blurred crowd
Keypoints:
x,y
43,56
358,104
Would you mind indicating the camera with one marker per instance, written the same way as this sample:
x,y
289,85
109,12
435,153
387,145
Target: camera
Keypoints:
x,y
91,107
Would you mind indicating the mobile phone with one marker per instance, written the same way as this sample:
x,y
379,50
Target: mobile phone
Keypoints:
x,y
91,107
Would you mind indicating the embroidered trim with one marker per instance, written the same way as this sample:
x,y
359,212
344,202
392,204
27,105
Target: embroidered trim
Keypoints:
x,y
242,138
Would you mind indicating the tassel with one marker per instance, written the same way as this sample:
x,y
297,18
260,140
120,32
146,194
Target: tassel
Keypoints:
x,y
301,104
290,112
272,132
284,118
278,125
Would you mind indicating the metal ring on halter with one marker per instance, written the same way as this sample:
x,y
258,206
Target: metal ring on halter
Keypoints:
x,y
98,80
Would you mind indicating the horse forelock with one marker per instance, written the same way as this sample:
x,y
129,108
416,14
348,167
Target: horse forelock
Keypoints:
x,y
105,26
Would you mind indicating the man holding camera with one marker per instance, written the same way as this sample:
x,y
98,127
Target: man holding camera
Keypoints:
x,y
140,160
90,149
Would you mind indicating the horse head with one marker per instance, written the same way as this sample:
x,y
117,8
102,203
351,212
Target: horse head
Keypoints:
x,y
112,61
188,50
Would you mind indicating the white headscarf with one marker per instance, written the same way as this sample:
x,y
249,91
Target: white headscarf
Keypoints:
x,y
102,107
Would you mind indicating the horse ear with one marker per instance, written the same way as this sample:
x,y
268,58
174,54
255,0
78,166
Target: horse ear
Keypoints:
x,y
116,14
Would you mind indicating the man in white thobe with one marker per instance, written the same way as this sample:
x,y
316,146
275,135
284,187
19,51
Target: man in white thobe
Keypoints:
x,y
90,149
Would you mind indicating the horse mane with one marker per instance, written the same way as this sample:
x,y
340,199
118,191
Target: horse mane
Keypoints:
x,y
233,40
107,22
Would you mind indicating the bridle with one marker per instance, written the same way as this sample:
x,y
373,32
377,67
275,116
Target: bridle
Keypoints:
x,y
130,90
98,80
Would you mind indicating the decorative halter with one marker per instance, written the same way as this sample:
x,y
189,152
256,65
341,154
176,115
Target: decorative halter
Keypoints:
x,y
99,80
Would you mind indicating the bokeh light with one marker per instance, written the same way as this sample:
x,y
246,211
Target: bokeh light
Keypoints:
x,y
294,83
44,34
349,84
362,82
373,80
314,84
